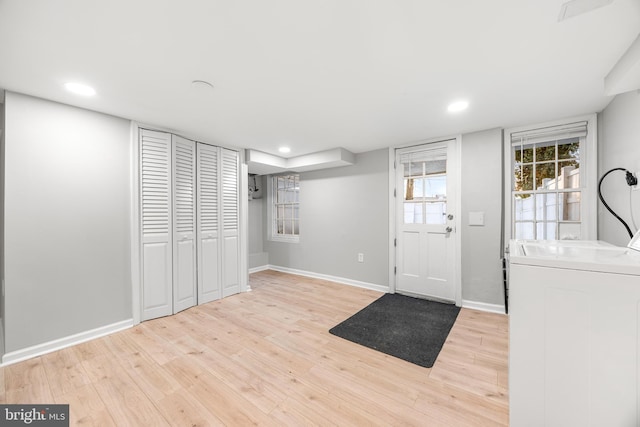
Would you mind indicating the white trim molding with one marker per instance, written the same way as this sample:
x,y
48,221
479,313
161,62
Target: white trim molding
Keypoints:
x,y
136,255
483,306
59,344
588,178
341,280
258,269
457,274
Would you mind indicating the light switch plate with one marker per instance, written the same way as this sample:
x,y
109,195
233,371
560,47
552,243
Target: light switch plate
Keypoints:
x,y
476,218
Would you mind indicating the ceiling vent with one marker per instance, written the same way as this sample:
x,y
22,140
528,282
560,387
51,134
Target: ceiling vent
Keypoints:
x,y
578,7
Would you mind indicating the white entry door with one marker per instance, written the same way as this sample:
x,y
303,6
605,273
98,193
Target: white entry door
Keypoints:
x,y
425,218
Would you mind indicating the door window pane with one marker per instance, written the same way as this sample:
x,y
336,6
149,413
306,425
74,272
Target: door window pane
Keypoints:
x,y
413,213
424,188
435,187
436,213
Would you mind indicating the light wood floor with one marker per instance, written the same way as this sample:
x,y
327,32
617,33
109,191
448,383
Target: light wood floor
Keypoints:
x,y
265,357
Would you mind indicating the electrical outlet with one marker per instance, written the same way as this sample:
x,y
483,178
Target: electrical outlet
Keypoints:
x,y
360,257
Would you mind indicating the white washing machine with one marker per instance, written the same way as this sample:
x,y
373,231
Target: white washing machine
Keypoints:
x,y
574,333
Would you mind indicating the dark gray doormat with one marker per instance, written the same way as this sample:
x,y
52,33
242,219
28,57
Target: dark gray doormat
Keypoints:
x,y
409,328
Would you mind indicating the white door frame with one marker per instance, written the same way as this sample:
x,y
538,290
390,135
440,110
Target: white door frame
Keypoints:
x,y
458,205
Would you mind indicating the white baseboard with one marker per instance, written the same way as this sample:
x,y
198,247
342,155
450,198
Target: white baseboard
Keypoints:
x,y
342,280
475,305
259,268
59,344
483,306
1,337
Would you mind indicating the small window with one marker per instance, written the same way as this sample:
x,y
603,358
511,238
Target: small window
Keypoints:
x,y
425,186
548,177
285,198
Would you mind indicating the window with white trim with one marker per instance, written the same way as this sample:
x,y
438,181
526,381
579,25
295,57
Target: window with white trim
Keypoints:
x,y
285,207
551,169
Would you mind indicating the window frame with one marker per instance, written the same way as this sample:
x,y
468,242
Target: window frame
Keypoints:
x,y
588,175
424,201
272,198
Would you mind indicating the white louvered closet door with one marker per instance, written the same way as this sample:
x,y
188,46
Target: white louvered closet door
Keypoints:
x,y
230,222
208,182
156,224
184,224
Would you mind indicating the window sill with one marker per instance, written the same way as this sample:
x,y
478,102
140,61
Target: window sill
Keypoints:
x,y
285,239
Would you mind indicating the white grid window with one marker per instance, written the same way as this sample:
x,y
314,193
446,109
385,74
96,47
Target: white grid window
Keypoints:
x,y
286,207
425,186
548,182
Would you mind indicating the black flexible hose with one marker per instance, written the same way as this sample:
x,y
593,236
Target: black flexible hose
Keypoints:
x,y
605,203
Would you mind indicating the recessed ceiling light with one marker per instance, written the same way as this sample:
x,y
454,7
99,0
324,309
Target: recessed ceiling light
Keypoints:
x,y
80,89
458,106
284,150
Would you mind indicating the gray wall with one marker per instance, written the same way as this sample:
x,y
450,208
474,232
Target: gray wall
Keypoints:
x,y
343,211
482,192
2,217
618,146
67,214
257,256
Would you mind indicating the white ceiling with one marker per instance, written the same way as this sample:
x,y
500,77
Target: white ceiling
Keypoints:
x,y
314,75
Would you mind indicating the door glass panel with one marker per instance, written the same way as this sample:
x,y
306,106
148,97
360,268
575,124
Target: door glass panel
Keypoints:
x,y
409,189
436,213
424,189
413,213
435,187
